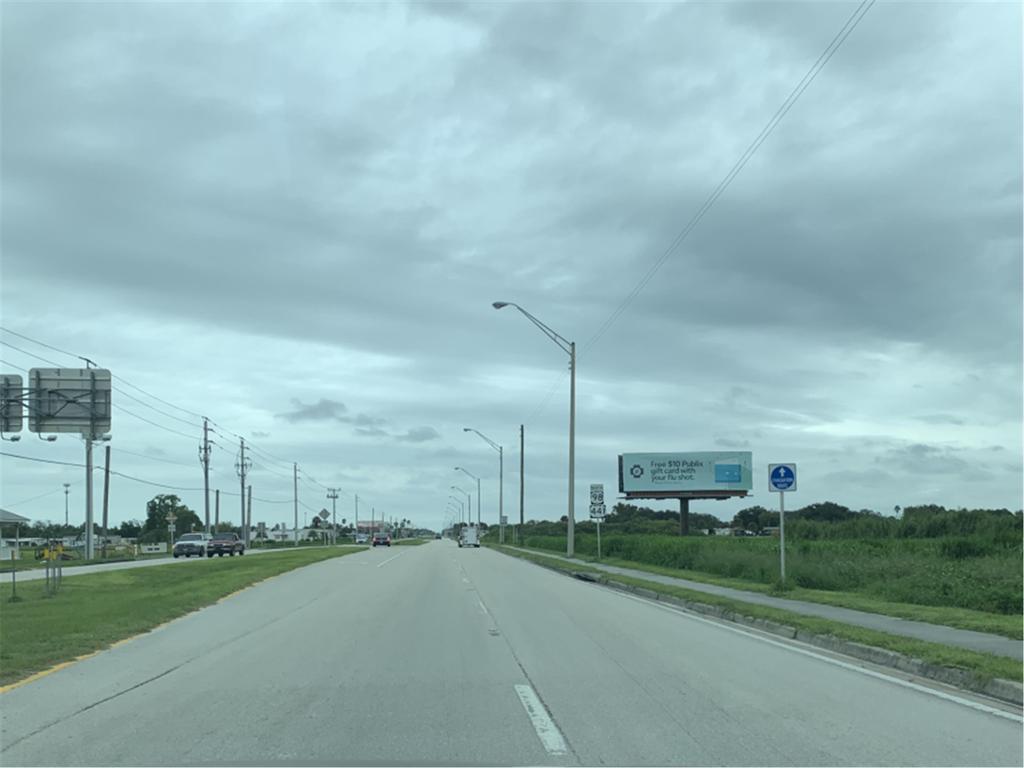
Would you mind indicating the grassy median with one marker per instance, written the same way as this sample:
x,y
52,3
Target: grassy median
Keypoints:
x,y
91,612
983,665
409,542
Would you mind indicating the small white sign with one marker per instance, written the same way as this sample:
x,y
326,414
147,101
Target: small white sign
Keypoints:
x,y
782,478
597,493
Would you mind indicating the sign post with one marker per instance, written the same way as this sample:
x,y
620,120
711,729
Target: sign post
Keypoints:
x,y
171,519
597,511
782,479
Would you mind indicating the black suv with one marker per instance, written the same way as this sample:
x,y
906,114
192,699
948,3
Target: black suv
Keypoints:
x,y
225,543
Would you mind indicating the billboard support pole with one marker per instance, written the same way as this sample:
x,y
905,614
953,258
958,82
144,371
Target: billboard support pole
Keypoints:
x,y
88,497
684,517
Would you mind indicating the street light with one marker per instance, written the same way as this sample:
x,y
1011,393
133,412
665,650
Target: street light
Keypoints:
x,y
501,480
66,487
462,507
569,347
469,504
460,469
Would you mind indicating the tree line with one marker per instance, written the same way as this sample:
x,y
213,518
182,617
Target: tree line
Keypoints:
x,y
820,520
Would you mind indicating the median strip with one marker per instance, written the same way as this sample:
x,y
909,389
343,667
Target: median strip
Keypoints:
x,y
90,614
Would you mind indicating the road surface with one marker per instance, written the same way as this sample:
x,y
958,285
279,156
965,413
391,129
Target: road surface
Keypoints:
x,y
982,642
440,655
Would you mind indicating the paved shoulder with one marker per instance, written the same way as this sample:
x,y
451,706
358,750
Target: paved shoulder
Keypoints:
x,y
919,630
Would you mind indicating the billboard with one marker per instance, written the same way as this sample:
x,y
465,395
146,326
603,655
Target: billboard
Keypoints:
x,y
718,472
69,400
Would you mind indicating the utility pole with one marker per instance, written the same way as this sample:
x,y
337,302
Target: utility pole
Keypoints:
x,y
357,515
66,519
106,496
522,482
295,489
501,494
248,518
333,496
204,459
242,467
216,509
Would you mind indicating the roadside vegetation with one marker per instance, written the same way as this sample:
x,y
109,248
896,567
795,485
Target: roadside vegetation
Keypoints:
x,y
91,612
984,666
956,567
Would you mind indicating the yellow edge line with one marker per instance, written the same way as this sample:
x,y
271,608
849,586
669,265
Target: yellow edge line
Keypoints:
x,y
125,640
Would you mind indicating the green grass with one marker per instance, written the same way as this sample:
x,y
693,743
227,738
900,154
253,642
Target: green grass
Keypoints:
x,y
982,577
961,618
984,666
408,542
91,612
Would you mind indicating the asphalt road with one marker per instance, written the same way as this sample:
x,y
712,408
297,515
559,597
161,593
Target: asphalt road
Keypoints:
x,y
919,630
438,655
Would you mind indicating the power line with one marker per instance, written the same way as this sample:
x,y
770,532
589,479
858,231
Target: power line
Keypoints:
x,y
158,399
30,354
40,343
40,496
153,423
12,365
97,469
153,408
117,449
808,78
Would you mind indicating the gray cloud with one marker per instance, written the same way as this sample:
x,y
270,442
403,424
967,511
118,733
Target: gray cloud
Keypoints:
x,y
419,435
317,213
940,418
322,410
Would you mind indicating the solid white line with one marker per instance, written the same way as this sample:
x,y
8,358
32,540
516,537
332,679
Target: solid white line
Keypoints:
x,y
792,646
390,559
483,607
545,727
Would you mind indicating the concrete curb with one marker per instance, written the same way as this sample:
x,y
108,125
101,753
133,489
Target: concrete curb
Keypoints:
x,y
1005,690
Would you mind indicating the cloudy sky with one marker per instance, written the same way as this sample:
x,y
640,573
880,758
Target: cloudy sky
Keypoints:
x,y
293,219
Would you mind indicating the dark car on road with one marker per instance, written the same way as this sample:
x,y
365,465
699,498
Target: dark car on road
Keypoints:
x,y
381,539
225,543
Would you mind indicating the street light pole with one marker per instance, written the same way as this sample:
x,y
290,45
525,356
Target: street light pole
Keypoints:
x,y
569,347
501,480
460,469
469,503
66,487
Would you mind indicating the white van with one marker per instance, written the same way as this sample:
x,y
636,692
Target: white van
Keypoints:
x,y
469,537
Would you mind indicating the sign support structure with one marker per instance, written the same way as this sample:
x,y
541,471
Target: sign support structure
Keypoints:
x,y
782,480
597,511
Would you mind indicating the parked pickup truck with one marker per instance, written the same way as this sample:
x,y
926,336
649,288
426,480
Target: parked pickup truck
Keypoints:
x,y
225,543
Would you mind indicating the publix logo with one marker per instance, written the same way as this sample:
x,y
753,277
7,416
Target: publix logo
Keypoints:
x,y
636,471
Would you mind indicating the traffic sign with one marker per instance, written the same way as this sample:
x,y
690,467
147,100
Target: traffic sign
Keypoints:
x,y
597,511
782,477
597,493
324,514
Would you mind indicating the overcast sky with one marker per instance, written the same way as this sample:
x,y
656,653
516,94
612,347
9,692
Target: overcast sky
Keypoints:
x,y
293,219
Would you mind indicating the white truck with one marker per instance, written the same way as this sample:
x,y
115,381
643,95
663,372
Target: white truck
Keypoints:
x,y
470,537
